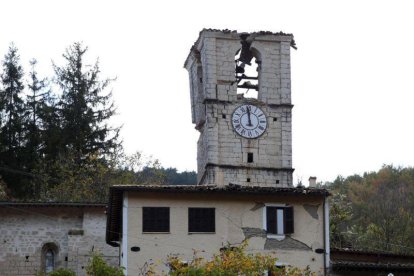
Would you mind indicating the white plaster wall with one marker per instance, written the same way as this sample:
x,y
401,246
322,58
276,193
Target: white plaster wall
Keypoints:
x,y
233,213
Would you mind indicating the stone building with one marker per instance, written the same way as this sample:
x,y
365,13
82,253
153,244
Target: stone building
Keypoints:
x,y
228,150
241,105
44,236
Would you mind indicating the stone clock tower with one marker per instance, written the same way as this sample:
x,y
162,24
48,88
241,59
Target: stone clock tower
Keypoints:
x,y
241,105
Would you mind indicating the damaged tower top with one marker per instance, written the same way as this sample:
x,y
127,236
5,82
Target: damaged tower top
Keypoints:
x,y
241,104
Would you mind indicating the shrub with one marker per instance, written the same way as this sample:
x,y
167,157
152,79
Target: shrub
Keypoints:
x,y
232,261
98,267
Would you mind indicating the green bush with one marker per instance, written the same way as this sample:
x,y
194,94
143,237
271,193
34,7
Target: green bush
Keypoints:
x,y
58,272
62,272
98,267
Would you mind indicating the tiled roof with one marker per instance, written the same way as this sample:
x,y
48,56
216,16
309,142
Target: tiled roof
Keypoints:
x,y
364,266
231,188
359,260
50,204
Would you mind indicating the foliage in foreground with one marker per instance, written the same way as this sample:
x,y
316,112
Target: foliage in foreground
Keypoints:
x,y
231,261
58,272
98,267
62,272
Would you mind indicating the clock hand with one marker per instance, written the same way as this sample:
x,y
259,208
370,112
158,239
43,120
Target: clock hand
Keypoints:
x,y
248,117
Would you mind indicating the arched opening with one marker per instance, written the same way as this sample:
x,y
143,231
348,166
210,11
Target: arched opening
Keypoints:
x,y
49,261
49,257
247,68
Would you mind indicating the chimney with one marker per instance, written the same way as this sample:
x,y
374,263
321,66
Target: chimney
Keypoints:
x,y
312,182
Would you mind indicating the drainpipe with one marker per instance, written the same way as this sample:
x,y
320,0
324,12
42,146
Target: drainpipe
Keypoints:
x,y
326,245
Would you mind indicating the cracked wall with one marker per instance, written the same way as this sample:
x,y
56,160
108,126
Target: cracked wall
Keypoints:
x,y
238,217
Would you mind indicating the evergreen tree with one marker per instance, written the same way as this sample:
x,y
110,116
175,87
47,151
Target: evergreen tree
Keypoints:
x,y
85,107
11,120
34,105
39,129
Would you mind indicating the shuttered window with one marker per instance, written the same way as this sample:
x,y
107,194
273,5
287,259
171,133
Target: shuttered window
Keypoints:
x,y
155,219
279,220
201,220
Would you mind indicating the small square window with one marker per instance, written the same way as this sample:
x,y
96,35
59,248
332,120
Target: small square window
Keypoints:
x,y
155,219
201,220
279,220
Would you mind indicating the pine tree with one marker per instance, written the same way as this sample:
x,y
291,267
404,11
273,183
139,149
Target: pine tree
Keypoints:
x,y
12,111
34,104
39,106
85,106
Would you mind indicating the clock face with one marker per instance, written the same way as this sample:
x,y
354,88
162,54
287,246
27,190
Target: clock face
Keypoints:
x,y
249,121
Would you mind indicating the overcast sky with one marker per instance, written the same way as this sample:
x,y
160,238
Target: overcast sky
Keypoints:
x,y
352,75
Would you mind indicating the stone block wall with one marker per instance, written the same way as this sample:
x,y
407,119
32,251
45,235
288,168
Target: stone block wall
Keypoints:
x,y
75,231
211,65
220,146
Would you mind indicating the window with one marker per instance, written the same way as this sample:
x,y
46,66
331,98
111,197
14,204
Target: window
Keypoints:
x,y
249,157
49,261
201,220
49,257
279,220
155,219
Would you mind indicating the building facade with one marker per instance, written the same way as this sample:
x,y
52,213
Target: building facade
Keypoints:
x,y
240,93
149,223
41,237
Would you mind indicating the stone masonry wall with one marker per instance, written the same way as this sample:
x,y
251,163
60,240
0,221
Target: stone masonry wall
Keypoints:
x,y
75,231
219,145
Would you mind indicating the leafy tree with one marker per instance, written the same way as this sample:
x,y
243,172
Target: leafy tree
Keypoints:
x,y
374,211
340,216
11,120
91,182
85,106
183,178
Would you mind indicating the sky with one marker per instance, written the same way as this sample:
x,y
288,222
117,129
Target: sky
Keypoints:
x,y
352,75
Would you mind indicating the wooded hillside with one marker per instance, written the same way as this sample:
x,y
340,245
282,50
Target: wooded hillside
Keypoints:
x,y
374,211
